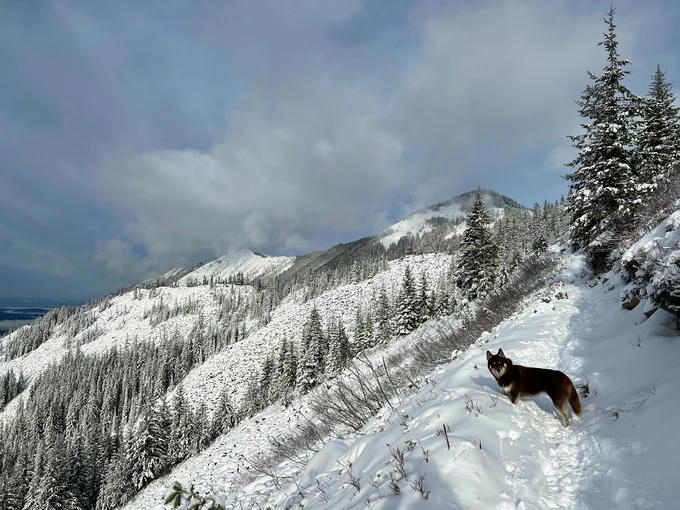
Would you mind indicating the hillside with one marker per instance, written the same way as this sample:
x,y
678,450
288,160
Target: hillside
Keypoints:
x,y
519,456
498,455
83,384
458,426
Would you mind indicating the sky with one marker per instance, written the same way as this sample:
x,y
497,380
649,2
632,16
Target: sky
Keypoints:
x,y
136,137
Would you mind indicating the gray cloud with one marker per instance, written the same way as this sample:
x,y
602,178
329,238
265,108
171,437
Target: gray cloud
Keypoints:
x,y
273,185
138,137
487,85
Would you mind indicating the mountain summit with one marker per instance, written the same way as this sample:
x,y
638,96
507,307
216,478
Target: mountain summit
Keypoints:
x,y
238,261
450,212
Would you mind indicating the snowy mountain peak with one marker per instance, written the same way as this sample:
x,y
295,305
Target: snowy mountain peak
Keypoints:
x,y
451,212
238,261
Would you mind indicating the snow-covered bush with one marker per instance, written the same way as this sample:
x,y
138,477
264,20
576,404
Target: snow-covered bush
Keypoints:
x,y
652,266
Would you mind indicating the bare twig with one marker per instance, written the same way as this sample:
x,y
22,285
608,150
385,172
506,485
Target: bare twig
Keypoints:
x,y
494,400
353,480
471,407
375,485
418,486
444,432
324,494
394,485
398,457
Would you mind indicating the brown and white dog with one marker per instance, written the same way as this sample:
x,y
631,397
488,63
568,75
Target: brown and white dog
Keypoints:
x,y
518,381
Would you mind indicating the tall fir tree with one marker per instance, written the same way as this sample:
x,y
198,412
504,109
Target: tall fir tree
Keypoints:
x,y
407,307
317,340
179,447
148,447
658,142
603,199
369,330
279,386
313,356
266,378
360,342
54,491
117,482
32,496
477,270
383,317
424,311
290,369
339,352
252,401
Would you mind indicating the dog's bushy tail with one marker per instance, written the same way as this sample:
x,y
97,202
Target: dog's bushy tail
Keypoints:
x,y
574,401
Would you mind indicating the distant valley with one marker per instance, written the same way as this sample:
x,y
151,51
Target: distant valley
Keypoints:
x,y
13,317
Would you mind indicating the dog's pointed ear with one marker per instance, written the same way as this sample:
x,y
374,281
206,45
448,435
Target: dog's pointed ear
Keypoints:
x,y
500,353
488,355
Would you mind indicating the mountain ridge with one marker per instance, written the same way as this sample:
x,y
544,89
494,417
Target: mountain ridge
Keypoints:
x,y
240,260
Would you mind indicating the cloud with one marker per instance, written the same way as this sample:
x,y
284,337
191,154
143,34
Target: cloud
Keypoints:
x,y
118,258
275,185
321,153
135,139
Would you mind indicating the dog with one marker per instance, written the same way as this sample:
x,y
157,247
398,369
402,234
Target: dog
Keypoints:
x,y
518,381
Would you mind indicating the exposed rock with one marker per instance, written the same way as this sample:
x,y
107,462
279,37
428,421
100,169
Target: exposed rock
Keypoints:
x,y
631,303
650,312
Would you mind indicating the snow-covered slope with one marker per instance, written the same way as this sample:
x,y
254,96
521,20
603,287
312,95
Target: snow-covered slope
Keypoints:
x,y
231,367
653,266
250,264
619,454
126,319
421,221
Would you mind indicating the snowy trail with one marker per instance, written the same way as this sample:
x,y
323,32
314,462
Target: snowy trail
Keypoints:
x,y
564,458
579,467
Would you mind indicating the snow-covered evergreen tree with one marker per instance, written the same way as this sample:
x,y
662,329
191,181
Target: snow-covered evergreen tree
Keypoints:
x,y
603,199
53,489
279,386
290,367
658,143
477,270
369,330
360,337
201,433
339,352
383,317
313,356
407,307
179,447
308,372
31,499
116,484
252,401
317,341
148,447
266,378
424,302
